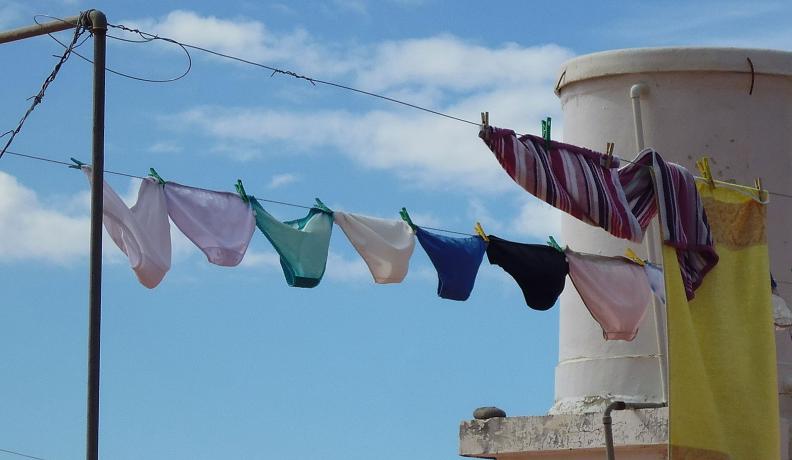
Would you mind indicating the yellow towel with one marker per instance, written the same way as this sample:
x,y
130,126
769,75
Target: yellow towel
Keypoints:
x,y
722,362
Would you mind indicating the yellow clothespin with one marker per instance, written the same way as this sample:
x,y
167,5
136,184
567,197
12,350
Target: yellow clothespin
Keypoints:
x,y
480,232
609,154
630,254
704,168
759,191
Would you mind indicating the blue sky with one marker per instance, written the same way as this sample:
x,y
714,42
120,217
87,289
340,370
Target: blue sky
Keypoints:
x,y
230,362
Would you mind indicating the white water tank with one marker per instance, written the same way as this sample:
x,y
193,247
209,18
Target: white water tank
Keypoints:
x,y
733,105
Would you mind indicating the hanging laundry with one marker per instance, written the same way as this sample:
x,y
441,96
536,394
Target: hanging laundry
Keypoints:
x,y
302,244
220,223
539,270
723,393
683,220
142,232
614,289
571,178
654,274
456,260
385,245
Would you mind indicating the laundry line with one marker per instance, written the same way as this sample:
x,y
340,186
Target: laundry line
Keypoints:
x,y
147,37
286,203
134,176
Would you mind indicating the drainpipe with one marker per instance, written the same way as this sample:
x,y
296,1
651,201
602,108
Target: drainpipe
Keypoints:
x,y
607,421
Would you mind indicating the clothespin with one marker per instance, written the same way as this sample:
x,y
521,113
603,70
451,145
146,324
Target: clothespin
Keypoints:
x,y
480,232
630,254
759,191
704,168
484,129
321,206
609,154
77,164
406,217
241,191
153,173
546,125
554,244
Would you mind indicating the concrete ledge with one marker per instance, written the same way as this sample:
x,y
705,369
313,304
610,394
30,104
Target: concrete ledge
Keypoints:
x,y
548,435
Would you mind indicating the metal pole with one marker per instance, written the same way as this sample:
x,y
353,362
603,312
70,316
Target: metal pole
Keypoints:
x,y
97,22
39,29
98,25
607,421
652,250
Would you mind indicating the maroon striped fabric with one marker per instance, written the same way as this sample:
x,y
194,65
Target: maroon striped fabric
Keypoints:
x,y
683,220
570,178
575,180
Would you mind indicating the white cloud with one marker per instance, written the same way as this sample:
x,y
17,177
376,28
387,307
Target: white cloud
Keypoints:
x,y
165,147
267,259
279,180
449,62
59,234
340,268
32,231
433,152
513,83
245,38
537,219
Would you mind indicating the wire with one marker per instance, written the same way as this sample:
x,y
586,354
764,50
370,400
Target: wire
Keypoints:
x,y
119,73
20,454
146,36
79,29
117,173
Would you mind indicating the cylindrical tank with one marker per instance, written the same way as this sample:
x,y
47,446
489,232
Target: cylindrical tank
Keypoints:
x,y
732,105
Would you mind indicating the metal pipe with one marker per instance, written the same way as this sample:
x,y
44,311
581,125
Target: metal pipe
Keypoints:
x,y
38,29
607,421
636,91
98,25
652,232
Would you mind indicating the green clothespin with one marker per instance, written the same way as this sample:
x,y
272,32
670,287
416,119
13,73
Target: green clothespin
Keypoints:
x,y
406,217
153,173
321,206
554,244
241,191
546,126
77,164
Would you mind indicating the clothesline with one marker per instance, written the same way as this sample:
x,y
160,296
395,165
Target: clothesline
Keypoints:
x,y
148,37
134,176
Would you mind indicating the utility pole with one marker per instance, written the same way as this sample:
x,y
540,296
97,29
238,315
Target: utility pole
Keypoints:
x,y
96,22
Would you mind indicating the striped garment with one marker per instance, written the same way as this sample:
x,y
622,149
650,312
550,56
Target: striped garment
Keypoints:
x,y
683,221
571,178
623,203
